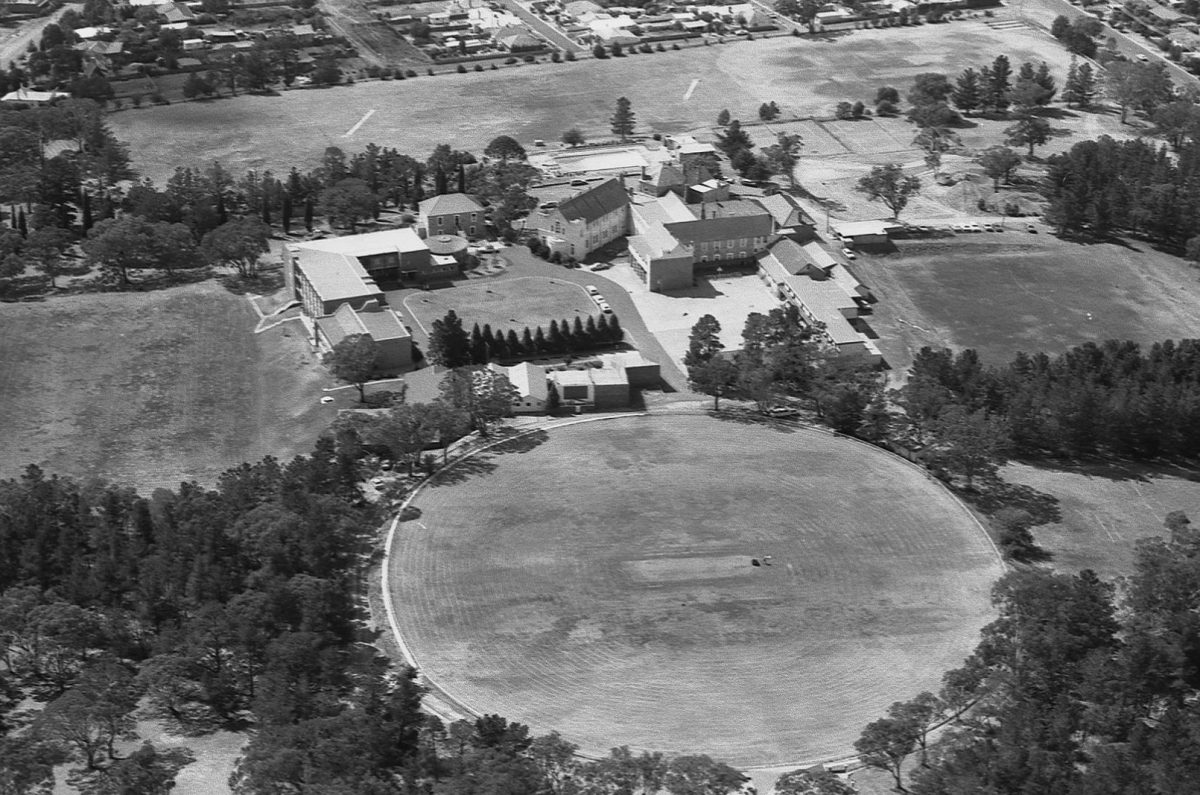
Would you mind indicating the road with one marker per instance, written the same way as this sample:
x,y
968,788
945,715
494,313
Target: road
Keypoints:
x,y
1041,14
543,28
15,43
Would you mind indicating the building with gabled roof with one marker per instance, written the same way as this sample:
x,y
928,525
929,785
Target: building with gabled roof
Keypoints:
x,y
393,340
531,384
451,214
577,226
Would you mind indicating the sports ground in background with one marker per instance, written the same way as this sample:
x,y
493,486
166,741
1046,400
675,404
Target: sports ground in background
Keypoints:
x,y
805,76
598,582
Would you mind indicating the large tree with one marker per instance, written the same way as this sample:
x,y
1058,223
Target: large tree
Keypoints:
x,y
449,342
240,242
481,393
623,120
970,443
704,342
716,377
889,184
1029,131
348,202
353,360
505,148
998,162
120,245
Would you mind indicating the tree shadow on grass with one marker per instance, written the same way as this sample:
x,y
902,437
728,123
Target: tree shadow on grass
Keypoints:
x,y
744,416
995,494
521,444
1100,468
463,470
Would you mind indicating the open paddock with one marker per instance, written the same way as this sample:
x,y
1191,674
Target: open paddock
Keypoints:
x,y
154,388
805,76
1001,293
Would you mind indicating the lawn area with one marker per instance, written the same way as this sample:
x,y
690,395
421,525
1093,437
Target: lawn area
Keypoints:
x,y
152,388
806,77
1100,511
599,583
504,303
1013,291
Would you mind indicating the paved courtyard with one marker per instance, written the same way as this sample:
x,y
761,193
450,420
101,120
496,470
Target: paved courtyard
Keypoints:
x,y
729,298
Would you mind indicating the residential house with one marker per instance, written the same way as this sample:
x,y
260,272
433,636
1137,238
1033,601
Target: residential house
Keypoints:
x,y
175,12
393,341
451,214
577,226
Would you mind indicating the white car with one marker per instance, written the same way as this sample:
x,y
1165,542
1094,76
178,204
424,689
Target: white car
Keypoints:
x,y
974,228
604,307
592,291
848,253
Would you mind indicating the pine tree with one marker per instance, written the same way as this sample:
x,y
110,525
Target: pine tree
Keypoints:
x,y
553,399
285,213
987,89
554,340
489,339
590,333
22,224
1070,94
966,93
478,351
623,120
1088,85
579,337
723,117
513,343
539,341
568,336
308,213
615,333
1046,80
527,346
602,330
1001,85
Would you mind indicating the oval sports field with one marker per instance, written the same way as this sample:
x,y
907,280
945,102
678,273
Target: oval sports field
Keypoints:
x,y
597,580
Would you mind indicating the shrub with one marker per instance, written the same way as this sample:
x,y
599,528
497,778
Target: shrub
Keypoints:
x,y
886,108
136,100
530,59
556,258
660,47
510,61
462,69
570,56
675,46
159,99
556,56
494,65
411,73
478,67
374,71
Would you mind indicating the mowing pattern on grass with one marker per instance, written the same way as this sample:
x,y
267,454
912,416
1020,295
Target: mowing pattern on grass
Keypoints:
x,y
1010,292
151,389
600,584
505,304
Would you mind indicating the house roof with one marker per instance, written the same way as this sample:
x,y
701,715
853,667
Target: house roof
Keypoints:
x,y
335,276
450,204
817,255
388,240
101,47
664,175
30,95
595,202
781,209
528,379
516,40
378,322
857,228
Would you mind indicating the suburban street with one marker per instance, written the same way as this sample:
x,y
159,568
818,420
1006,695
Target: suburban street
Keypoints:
x,y
15,42
544,29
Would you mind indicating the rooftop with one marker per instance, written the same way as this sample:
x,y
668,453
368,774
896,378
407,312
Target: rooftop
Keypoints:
x,y
334,276
450,204
401,240
595,202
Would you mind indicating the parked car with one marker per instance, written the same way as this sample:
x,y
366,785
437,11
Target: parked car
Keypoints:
x,y
601,266
849,254
782,411
974,228
579,183
592,291
377,483
604,307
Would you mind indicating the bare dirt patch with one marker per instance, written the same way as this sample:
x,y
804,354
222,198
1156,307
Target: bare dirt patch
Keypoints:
x,y
505,304
528,587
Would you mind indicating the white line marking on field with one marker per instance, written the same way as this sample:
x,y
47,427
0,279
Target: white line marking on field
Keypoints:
x,y
361,122
688,94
